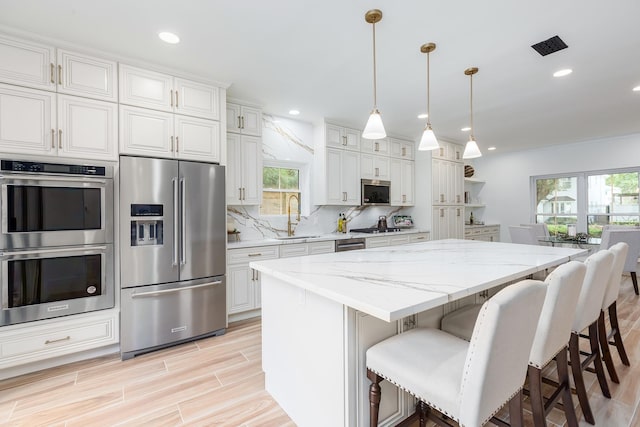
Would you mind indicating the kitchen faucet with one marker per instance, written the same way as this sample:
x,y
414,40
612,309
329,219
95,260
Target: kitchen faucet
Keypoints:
x,y
289,229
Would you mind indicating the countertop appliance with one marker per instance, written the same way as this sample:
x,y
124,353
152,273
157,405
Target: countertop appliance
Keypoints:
x,y
402,221
353,244
172,252
56,240
375,192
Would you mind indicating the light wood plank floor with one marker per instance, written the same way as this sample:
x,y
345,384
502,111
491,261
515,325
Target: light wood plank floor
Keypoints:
x,y
219,381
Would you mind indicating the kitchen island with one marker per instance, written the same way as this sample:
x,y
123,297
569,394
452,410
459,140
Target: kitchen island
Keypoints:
x,y
321,313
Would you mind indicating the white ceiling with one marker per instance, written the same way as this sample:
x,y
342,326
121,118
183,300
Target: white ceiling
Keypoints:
x,y
316,56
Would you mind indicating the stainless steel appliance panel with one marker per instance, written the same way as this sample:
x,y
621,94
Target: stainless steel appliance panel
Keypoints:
x,y
353,244
34,284
156,316
54,210
203,220
149,181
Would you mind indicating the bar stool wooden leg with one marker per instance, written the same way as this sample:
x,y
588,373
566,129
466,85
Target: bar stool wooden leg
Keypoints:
x,y
535,395
563,378
576,369
634,279
597,361
515,410
617,336
604,347
374,397
423,410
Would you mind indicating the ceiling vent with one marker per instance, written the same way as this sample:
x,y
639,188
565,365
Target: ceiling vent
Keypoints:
x,y
551,45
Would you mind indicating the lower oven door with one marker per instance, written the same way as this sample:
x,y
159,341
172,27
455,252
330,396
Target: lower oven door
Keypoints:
x,y
44,283
160,315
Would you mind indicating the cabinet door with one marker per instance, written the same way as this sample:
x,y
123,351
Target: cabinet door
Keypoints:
x,y
335,193
234,169
395,176
407,183
240,289
374,167
352,139
437,181
234,120
197,139
146,132
27,121
351,177
334,136
145,88
407,150
458,183
196,99
88,76
440,219
375,146
87,129
455,223
26,63
251,121
251,156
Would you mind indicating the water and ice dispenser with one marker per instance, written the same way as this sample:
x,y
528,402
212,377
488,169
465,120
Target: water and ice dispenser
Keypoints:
x,y
147,225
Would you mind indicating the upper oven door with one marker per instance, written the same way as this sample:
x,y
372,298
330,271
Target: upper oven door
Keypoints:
x,y
42,211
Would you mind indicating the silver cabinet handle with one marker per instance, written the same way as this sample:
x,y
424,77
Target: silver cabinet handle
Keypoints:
x,y
60,138
404,198
174,290
242,122
55,179
441,213
404,151
53,136
255,254
344,140
420,238
377,146
177,142
52,68
239,124
377,171
174,260
457,198
441,198
67,338
84,250
59,74
171,96
240,193
176,99
183,221
172,144
441,152
458,212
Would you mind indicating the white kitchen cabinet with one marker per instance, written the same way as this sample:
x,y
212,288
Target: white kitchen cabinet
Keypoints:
x,y
87,129
487,233
374,167
87,76
402,149
390,239
243,283
418,237
342,177
160,134
244,170
303,249
341,137
27,121
36,341
447,182
27,63
375,146
448,222
244,119
448,151
402,182
158,91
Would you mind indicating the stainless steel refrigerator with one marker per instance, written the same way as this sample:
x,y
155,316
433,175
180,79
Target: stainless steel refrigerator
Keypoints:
x,y
172,252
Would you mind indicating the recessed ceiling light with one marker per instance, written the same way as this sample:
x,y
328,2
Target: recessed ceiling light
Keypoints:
x,y
423,116
563,72
636,89
465,129
294,112
491,148
168,37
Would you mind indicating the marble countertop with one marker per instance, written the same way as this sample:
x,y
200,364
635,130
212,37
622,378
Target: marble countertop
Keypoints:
x,y
316,238
393,282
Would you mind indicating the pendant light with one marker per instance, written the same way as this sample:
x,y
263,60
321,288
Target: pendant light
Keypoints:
x,y
471,150
428,140
374,128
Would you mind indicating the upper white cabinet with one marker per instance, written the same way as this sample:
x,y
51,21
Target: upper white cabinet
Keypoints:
x,y
341,137
27,63
375,146
342,177
158,91
447,182
401,149
448,151
244,170
244,119
87,76
402,182
374,167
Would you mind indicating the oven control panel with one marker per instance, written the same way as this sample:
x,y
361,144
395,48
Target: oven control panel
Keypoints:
x,y
40,167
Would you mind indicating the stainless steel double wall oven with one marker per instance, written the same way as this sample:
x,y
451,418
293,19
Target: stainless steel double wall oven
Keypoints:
x,y
56,240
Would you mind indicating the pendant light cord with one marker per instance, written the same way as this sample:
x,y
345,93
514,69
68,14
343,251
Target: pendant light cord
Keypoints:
x,y
428,99
375,99
471,104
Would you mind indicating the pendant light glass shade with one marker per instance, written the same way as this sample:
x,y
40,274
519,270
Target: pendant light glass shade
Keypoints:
x,y
374,128
471,150
428,140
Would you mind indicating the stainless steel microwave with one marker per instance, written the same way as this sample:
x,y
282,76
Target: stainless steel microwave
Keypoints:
x,y
375,192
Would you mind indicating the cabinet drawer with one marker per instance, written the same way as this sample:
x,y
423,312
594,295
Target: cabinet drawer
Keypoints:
x,y
297,249
493,230
398,240
245,255
418,237
60,340
326,247
376,242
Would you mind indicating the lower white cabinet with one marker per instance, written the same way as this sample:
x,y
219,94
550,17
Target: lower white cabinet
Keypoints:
x,y
243,283
448,222
32,342
487,233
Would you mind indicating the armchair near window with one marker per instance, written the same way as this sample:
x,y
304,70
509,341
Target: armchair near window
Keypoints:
x,y
631,236
523,235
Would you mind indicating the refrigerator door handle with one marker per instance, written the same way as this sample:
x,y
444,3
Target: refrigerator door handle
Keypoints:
x,y
174,290
174,260
183,223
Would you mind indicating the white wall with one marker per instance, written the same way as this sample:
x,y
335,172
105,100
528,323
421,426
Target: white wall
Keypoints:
x,y
507,189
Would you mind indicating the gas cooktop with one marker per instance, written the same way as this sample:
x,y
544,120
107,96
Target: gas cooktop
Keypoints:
x,y
374,230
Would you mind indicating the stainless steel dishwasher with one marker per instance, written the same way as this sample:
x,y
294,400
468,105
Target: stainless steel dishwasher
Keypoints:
x,y
350,244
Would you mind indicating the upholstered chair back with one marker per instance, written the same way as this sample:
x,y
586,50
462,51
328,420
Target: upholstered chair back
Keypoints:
x,y
498,356
620,252
595,284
